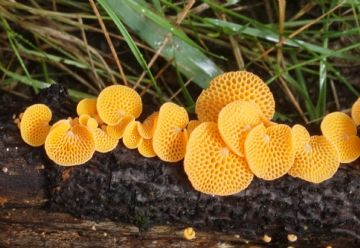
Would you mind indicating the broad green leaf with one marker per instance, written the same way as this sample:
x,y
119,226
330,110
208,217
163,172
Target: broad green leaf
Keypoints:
x,y
153,29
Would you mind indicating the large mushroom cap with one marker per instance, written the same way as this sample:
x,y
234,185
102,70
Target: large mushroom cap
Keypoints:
x,y
269,151
316,162
34,124
235,121
341,131
355,112
233,86
69,145
211,167
170,136
117,101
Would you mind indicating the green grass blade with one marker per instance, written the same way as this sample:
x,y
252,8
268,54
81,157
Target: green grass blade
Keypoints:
x,y
190,60
269,35
76,95
135,50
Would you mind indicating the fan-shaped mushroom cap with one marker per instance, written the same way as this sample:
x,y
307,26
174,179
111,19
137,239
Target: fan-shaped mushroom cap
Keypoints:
x,y
192,125
103,142
131,137
341,131
355,112
316,162
146,149
116,101
86,106
269,151
211,167
300,136
235,121
69,145
117,131
233,86
34,124
170,136
147,128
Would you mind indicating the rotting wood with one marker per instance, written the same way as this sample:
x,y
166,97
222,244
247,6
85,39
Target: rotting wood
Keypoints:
x,y
124,187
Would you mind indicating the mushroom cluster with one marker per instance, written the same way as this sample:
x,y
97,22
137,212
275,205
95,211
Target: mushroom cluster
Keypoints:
x,y
233,139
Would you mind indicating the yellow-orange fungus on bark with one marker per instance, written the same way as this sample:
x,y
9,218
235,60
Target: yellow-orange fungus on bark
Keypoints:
x,y
233,86
34,124
210,165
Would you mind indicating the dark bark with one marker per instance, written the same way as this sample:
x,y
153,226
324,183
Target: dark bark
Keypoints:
x,y
123,186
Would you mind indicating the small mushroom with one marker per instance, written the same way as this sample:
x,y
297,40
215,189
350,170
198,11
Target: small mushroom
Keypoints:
x,y
355,112
235,121
233,86
117,101
88,121
170,136
86,106
146,149
211,166
34,124
117,131
103,142
301,137
316,161
70,144
131,137
269,151
189,233
341,131
147,128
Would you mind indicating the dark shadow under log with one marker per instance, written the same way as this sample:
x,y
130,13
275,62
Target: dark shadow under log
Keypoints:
x,y
124,187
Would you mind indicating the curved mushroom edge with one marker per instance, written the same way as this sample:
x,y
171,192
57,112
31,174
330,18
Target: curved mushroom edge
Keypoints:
x,y
100,127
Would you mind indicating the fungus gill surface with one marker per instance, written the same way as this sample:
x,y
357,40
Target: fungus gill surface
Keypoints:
x,y
301,137
233,86
147,128
117,131
235,121
192,125
131,137
117,101
170,136
211,167
355,112
316,161
341,131
269,151
103,142
34,124
69,145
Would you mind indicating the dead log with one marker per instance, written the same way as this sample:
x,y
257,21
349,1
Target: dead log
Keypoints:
x,y
124,187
